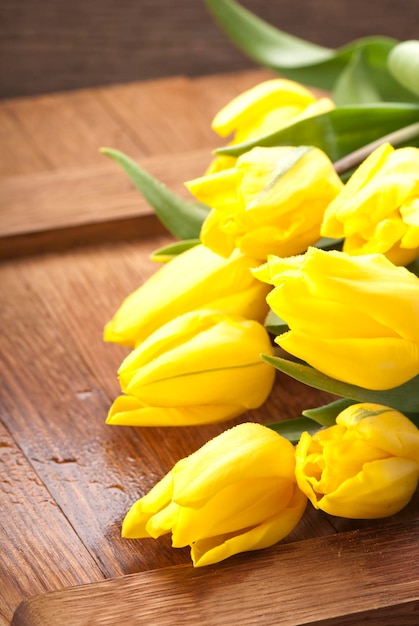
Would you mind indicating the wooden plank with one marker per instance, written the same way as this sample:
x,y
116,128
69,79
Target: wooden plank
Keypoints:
x,y
334,581
55,410
164,116
18,155
68,193
64,130
33,529
62,208
68,129
55,310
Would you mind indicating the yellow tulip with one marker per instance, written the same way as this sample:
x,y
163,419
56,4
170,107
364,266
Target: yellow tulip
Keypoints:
x,y
271,202
264,109
195,279
378,209
201,367
236,493
365,467
354,318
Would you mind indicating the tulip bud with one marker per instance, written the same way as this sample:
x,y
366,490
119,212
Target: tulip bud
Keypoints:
x,y
264,109
201,367
195,279
378,209
354,318
365,467
236,493
271,202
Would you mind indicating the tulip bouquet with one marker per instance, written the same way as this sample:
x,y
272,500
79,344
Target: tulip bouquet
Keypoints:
x,y
304,233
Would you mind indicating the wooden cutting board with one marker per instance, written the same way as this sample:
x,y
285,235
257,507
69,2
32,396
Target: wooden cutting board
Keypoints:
x,y
75,239
331,581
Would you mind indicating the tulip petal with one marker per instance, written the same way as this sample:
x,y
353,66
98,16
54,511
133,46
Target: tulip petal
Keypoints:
x,y
201,364
247,450
369,211
255,102
388,292
269,532
240,505
129,411
381,489
388,429
403,398
158,498
372,363
236,493
195,279
272,201
247,386
294,303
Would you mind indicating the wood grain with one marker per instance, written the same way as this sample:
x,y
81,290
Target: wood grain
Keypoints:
x,y
163,116
18,154
311,582
33,529
67,129
79,205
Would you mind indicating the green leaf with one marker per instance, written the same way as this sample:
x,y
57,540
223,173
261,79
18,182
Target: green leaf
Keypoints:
x,y
326,415
312,420
181,217
326,243
301,60
403,64
404,398
162,255
354,85
292,429
414,267
340,131
268,46
274,324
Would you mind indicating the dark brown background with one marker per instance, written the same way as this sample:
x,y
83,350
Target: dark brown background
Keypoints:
x,y
53,45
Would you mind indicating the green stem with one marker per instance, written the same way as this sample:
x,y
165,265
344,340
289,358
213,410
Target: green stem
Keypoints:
x,y
395,138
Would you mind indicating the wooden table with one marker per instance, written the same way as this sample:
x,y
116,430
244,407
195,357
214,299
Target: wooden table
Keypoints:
x,y
75,238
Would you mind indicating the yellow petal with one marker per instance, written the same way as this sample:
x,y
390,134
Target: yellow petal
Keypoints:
x,y
333,222
210,234
269,532
237,506
246,451
382,489
192,280
277,203
129,411
277,270
376,363
387,292
322,317
256,101
216,190
387,428
157,499
206,368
